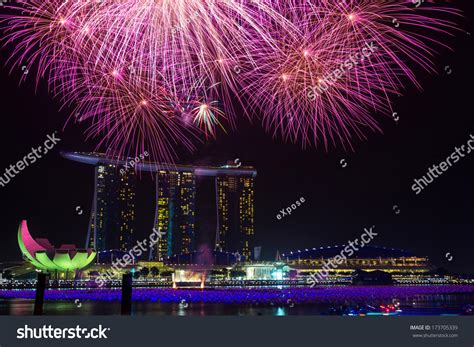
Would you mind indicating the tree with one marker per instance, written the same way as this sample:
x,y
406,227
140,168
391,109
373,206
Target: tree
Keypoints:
x,y
145,272
166,273
237,273
155,271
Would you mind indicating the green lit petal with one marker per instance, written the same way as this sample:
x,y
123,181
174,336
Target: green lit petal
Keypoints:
x,y
47,262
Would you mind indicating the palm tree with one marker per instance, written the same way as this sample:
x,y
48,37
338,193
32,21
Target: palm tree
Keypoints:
x,y
154,271
167,273
145,272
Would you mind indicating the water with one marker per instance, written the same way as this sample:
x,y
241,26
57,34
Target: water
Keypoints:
x,y
438,304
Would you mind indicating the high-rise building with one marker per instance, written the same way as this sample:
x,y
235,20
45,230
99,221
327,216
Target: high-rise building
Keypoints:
x,y
175,213
112,221
113,212
236,214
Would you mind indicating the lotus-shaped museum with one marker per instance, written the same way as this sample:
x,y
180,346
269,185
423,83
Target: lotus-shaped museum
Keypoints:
x,y
45,256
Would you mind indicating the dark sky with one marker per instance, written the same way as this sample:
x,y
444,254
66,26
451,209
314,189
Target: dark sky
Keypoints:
x,y
340,202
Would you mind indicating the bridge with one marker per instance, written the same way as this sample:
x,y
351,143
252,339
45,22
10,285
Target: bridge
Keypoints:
x,y
148,166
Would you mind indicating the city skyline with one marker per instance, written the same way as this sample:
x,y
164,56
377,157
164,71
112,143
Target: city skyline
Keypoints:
x,y
250,159
375,183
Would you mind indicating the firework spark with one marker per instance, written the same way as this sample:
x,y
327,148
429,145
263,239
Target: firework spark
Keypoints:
x,y
159,75
326,81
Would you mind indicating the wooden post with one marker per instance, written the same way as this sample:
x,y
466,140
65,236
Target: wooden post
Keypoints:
x,y
127,294
40,289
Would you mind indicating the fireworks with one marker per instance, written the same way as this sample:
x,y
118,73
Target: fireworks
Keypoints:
x,y
326,81
163,75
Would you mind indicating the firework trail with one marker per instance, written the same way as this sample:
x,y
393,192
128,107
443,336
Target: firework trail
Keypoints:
x,y
162,75
326,81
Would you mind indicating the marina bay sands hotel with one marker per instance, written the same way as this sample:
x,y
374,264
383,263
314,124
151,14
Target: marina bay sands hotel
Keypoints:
x,y
111,227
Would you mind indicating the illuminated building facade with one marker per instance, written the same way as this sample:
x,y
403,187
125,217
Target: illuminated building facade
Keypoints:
x,y
266,271
402,265
112,221
113,211
44,256
236,214
175,213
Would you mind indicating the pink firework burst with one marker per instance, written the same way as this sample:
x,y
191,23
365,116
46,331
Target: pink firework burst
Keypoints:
x,y
129,115
102,58
326,80
157,75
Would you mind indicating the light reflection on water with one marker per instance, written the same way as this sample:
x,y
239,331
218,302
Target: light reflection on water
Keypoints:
x,y
424,305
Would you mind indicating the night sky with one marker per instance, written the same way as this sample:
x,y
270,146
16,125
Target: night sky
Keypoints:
x,y
340,202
